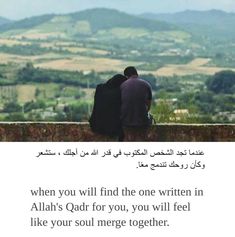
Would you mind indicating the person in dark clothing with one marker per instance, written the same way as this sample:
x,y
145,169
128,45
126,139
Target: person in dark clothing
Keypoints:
x,y
105,117
136,95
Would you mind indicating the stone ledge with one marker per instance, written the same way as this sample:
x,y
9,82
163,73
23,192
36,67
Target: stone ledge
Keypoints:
x,y
80,132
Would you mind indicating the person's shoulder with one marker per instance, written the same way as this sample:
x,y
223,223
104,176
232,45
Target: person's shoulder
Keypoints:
x,y
125,84
146,83
100,89
100,86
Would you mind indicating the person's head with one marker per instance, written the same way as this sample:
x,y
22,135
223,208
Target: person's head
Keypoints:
x,y
116,81
130,71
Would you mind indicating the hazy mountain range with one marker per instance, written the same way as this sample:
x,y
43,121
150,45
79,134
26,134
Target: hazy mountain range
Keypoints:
x,y
4,21
213,23
98,19
210,23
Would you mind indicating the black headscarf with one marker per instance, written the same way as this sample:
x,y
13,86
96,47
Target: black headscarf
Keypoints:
x,y
116,81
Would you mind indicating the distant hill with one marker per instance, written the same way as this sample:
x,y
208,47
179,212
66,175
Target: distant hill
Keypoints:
x,y
213,23
194,17
102,18
94,19
26,23
4,21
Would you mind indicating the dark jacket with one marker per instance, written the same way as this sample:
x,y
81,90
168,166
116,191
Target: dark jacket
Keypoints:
x,y
105,117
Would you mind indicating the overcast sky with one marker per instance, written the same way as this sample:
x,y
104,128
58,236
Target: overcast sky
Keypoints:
x,y
17,9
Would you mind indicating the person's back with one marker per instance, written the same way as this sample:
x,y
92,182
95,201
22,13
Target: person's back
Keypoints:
x,y
136,97
105,118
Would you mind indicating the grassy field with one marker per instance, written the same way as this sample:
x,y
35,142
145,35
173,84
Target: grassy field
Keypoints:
x,y
177,36
74,49
199,62
13,58
37,35
86,64
102,64
76,57
25,93
197,66
89,94
11,42
124,33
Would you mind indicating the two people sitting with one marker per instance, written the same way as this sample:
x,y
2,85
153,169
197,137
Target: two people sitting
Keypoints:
x,y
121,106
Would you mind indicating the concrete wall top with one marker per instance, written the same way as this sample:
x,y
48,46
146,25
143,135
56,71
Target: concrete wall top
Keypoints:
x,y
81,132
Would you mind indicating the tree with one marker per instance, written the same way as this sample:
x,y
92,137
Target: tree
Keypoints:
x,y
27,73
12,107
163,112
29,106
77,112
151,79
15,117
222,82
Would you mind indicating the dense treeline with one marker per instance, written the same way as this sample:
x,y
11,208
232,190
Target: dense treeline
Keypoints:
x,y
27,23
31,74
222,82
29,49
